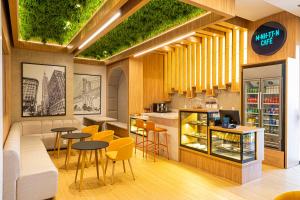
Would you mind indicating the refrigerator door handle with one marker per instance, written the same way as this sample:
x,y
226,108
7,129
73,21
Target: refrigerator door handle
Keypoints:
x,y
259,101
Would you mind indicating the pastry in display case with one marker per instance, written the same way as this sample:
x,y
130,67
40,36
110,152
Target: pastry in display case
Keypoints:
x,y
194,128
238,147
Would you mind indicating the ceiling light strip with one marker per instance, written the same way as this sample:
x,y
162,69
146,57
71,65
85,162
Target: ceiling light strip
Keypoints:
x,y
164,44
104,26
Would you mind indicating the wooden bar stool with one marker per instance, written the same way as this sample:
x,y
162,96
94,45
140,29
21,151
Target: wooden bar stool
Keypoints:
x,y
140,125
155,145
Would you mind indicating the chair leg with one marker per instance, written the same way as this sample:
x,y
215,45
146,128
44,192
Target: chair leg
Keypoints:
x,y
167,145
113,172
91,154
106,166
124,166
131,169
136,141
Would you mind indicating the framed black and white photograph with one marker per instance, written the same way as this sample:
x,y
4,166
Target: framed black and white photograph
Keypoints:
x,y
87,94
43,90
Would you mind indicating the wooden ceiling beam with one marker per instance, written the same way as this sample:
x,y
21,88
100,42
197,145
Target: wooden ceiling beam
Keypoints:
x,y
224,8
127,8
88,61
13,10
203,21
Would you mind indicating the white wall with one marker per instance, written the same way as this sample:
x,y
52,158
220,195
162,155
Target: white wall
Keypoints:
x,y
95,70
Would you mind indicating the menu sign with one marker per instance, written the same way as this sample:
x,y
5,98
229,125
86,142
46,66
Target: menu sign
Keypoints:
x,y
268,38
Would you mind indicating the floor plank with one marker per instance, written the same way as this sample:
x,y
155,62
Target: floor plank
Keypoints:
x,y
169,180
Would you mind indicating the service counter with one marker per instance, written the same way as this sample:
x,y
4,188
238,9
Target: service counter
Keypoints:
x,y
235,154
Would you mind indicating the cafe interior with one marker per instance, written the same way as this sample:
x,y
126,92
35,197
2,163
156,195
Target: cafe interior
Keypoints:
x,y
150,99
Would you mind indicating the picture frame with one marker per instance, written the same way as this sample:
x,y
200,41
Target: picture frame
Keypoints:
x,y
87,94
43,90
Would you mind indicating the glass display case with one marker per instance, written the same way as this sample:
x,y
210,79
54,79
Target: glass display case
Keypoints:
x,y
194,128
238,147
133,128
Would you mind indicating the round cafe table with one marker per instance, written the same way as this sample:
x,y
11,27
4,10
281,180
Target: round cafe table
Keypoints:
x,y
85,146
59,131
70,137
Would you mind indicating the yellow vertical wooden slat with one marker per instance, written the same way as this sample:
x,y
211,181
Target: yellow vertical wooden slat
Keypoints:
x,y
173,70
176,85
235,60
166,75
180,56
184,88
193,65
228,57
189,69
221,71
243,46
169,79
215,61
209,89
198,67
203,63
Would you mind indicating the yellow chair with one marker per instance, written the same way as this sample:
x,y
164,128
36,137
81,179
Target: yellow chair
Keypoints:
x,y
90,129
106,136
291,195
120,150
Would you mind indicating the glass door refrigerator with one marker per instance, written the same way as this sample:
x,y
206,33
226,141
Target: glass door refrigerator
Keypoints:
x,y
262,102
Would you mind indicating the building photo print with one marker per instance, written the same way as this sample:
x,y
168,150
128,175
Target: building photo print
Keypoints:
x,y
43,90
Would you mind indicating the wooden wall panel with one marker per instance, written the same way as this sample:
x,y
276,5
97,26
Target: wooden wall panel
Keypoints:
x,y
215,61
166,92
135,89
176,85
189,66
173,70
7,95
153,70
169,76
193,65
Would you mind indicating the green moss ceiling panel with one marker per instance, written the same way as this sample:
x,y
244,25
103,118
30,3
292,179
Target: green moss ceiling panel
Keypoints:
x,y
54,20
154,18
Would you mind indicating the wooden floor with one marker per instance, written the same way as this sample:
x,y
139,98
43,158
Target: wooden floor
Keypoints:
x,y
169,180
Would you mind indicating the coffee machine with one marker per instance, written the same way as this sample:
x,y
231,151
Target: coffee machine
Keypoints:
x,y
161,107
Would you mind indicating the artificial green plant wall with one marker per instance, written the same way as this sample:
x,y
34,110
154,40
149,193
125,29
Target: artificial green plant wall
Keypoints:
x,y
54,20
155,17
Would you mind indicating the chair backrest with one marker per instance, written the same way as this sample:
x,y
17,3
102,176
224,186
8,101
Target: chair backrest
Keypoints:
x,y
150,126
90,129
139,124
288,195
124,147
105,136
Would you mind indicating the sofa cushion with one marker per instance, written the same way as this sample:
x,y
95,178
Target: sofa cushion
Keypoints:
x,y
38,175
31,127
11,162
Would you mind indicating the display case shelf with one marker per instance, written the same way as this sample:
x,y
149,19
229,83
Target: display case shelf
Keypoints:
x,y
192,122
233,146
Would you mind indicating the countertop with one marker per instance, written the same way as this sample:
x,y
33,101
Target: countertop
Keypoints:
x,y
238,129
170,115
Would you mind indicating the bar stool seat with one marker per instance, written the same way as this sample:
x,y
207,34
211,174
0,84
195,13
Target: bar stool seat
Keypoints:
x,y
155,145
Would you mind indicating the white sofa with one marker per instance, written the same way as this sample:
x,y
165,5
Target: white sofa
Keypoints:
x,y
29,173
